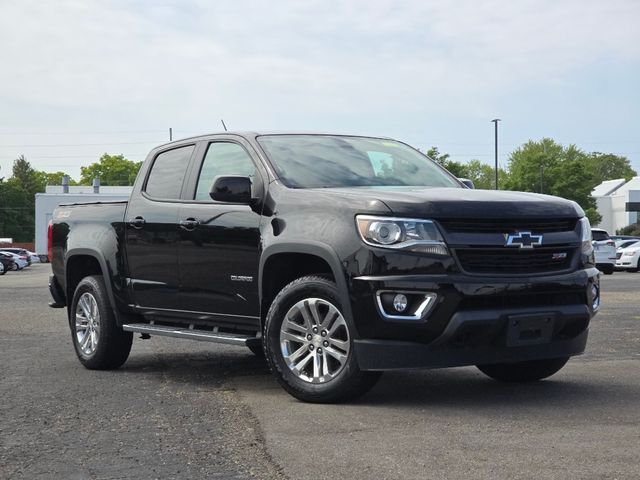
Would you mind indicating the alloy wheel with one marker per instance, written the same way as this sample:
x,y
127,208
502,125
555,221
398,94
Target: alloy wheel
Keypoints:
x,y
87,324
314,340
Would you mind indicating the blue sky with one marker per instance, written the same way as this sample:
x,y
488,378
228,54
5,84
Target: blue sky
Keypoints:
x,y
84,77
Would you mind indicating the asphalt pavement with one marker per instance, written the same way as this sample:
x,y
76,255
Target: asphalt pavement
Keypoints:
x,y
186,409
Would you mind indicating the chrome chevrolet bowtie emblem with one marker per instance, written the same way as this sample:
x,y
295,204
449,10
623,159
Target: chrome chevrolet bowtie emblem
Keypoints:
x,y
523,240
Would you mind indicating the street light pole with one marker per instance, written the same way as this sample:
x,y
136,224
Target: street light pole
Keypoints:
x,y
495,122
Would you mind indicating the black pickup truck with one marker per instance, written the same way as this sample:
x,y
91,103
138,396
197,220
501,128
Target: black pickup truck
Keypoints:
x,y
336,257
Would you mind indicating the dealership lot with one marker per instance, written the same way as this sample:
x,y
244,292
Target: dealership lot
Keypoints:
x,y
182,409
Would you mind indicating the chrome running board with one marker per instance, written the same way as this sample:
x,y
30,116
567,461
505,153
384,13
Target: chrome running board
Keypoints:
x,y
192,333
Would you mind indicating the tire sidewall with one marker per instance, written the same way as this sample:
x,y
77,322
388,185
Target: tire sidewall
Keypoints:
x,y
109,331
306,287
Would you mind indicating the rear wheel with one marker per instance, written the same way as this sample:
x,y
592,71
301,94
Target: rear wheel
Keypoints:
x,y
309,344
2,270
99,343
528,371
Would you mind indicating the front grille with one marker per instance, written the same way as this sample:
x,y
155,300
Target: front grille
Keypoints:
x,y
507,261
475,225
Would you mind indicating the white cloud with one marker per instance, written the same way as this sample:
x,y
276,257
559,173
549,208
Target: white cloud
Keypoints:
x,y
89,53
272,64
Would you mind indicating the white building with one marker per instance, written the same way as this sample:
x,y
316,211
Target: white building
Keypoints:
x,y
55,195
618,202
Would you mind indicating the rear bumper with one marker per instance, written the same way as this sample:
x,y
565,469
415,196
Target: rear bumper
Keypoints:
x,y
484,337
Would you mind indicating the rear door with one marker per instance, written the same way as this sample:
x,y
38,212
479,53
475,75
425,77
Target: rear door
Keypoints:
x,y
151,227
219,243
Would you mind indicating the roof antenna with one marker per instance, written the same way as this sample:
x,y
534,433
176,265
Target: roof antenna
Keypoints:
x,y
223,125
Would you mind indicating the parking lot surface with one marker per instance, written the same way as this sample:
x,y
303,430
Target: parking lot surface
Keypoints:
x,y
182,409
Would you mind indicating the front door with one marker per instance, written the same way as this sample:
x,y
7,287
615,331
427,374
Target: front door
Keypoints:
x,y
219,242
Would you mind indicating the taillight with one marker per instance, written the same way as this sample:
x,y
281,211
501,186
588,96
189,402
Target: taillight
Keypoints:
x,y
611,243
50,241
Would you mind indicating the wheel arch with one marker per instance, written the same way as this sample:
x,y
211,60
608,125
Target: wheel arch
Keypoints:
x,y
282,263
83,262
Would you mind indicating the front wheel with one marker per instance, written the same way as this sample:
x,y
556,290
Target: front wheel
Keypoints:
x,y
99,343
520,372
309,344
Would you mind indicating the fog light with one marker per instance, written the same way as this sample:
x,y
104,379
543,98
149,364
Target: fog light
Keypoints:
x,y
400,302
595,295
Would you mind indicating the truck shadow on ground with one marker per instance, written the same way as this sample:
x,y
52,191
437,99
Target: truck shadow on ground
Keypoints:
x,y
468,388
453,387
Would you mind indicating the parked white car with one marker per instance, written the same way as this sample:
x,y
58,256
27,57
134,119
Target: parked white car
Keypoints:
x,y
18,260
34,257
629,258
604,250
620,244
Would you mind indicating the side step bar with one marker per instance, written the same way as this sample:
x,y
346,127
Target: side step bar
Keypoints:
x,y
193,334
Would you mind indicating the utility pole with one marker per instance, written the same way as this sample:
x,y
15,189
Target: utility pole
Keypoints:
x,y
544,149
170,134
495,122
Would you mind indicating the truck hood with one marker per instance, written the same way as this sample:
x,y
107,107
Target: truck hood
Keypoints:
x,y
423,202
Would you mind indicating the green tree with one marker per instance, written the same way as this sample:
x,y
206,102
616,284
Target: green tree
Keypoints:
x,y
24,175
456,168
17,202
547,167
483,175
111,170
607,166
55,178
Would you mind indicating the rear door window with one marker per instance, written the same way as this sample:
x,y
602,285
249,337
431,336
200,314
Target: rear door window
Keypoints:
x,y
599,236
168,172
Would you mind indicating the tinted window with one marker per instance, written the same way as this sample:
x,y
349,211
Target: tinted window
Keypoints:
x,y
223,158
167,173
599,235
311,161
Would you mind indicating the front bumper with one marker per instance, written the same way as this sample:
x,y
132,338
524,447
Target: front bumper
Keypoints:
x,y
482,337
472,321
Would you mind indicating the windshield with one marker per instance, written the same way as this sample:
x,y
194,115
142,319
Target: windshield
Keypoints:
x,y
313,161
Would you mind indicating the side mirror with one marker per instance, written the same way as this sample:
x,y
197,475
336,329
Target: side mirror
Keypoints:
x,y
467,183
231,189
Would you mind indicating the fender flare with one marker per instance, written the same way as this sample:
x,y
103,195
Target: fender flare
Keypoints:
x,y
317,249
97,255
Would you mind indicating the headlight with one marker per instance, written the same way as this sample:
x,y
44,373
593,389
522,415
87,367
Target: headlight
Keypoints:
x,y
401,233
587,241
629,253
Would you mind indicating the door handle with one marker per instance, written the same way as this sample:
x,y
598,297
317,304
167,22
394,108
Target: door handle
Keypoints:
x,y
189,224
137,222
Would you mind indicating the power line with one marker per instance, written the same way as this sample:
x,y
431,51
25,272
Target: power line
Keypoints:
x,y
122,132
26,145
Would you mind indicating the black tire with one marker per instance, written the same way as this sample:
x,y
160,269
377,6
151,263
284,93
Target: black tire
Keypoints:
x,y
349,382
3,270
521,372
113,344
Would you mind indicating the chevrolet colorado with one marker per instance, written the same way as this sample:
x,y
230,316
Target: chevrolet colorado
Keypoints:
x,y
336,257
